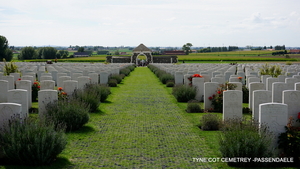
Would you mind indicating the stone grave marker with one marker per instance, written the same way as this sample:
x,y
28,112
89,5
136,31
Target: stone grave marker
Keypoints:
x,y
259,97
232,105
19,96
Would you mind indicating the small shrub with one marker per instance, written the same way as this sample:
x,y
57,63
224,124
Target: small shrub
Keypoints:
x,y
193,106
35,88
125,71
122,76
91,98
131,68
210,122
184,93
166,77
112,83
170,84
10,68
272,70
32,142
289,141
72,113
243,139
117,77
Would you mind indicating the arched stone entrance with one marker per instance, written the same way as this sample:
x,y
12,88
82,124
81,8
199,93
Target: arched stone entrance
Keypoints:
x,y
141,50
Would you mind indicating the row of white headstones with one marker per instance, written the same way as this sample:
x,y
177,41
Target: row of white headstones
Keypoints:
x,y
272,100
16,89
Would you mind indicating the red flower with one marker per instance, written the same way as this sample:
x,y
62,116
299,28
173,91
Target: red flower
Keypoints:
x,y
299,115
219,92
38,86
36,83
19,79
60,88
64,93
197,75
240,78
210,98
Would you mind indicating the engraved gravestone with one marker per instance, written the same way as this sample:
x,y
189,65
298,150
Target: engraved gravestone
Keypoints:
x,y
232,105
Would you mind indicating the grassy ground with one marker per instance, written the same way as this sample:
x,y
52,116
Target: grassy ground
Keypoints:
x,y
140,127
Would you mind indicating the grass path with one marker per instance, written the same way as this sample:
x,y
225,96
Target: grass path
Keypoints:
x,y
140,127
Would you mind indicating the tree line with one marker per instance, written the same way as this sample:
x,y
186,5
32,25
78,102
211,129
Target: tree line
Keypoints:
x,y
29,52
218,49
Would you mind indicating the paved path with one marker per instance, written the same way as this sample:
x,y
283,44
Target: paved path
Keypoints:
x,y
141,128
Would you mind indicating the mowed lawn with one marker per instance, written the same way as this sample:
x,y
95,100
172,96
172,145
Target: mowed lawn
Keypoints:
x,y
139,127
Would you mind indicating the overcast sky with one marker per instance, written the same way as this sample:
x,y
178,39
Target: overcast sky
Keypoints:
x,y
152,22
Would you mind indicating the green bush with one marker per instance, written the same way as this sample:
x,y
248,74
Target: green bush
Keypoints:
x,y
289,141
122,76
112,83
131,68
193,106
184,93
117,77
243,139
170,84
32,142
102,90
166,77
72,113
91,98
125,71
210,122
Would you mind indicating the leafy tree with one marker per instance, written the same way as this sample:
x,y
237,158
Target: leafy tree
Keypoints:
x,y
48,52
187,48
80,49
5,52
28,53
62,54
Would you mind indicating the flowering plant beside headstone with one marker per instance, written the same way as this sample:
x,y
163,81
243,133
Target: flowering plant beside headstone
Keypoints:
x,y
61,94
35,89
191,78
217,98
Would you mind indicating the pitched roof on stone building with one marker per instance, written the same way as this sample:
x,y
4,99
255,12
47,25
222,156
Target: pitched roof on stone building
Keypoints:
x,y
141,47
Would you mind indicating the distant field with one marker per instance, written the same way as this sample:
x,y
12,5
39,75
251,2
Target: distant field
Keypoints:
x,y
241,56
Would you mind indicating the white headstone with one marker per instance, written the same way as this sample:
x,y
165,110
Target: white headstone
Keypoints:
x,y
232,105
82,81
103,77
252,87
26,85
178,78
9,111
10,80
210,88
61,79
277,89
69,86
274,116
199,84
94,78
45,97
19,96
292,99
3,91
259,97
47,84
